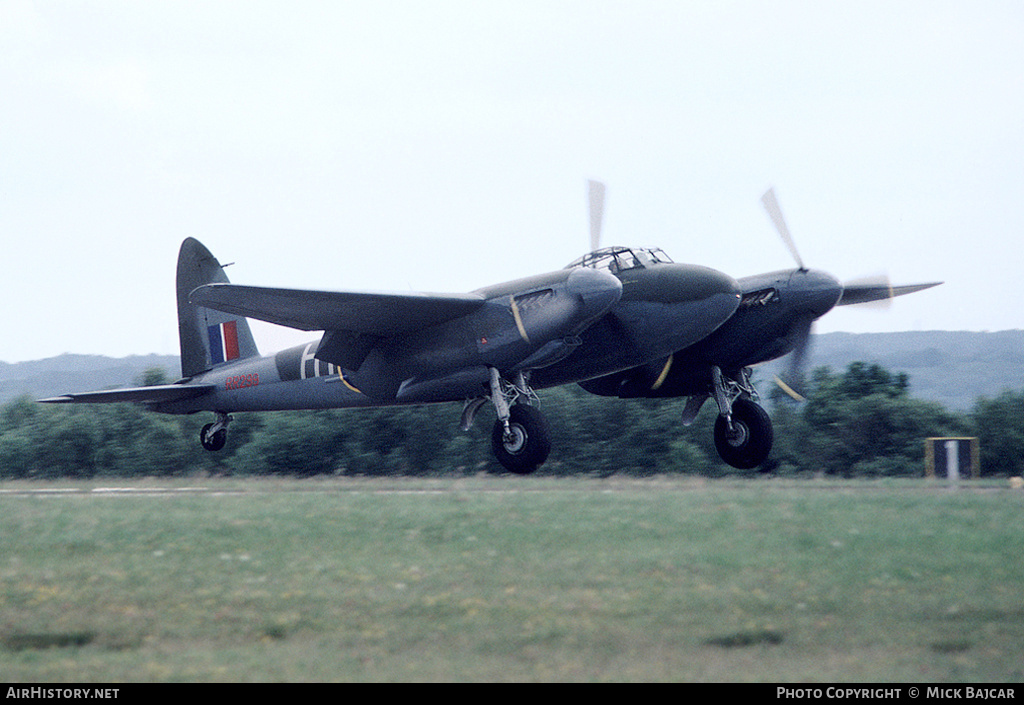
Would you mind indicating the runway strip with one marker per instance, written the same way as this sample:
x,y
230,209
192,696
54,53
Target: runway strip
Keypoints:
x,y
217,491
507,486
117,491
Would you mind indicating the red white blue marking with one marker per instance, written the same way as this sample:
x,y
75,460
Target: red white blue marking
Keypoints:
x,y
223,342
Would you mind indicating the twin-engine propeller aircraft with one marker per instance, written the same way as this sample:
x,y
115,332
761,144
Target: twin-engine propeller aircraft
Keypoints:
x,y
620,321
774,318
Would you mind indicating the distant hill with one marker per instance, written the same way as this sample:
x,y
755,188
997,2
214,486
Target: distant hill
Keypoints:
x,y
78,373
953,368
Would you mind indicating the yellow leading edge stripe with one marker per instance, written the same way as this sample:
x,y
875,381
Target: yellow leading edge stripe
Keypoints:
x,y
519,320
664,373
341,376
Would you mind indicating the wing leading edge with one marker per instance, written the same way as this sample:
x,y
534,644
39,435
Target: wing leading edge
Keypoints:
x,y
376,314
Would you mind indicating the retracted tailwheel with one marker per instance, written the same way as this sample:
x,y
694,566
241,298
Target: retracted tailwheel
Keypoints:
x,y
745,439
523,444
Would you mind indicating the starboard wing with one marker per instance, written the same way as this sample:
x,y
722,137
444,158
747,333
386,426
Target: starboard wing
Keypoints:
x,y
377,314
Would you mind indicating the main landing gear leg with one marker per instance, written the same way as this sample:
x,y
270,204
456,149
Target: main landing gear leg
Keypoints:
x,y
215,435
743,430
520,438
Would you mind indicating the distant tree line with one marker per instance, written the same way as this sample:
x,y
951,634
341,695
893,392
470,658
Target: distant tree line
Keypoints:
x,y
859,422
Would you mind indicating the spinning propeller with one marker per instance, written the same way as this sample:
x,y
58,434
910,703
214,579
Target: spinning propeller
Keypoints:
x,y
877,291
775,213
595,198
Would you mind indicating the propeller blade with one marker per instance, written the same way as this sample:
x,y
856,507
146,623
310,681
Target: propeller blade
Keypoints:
x,y
792,382
775,213
877,290
797,396
595,194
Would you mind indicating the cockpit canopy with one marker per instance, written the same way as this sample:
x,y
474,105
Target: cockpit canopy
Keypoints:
x,y
619,259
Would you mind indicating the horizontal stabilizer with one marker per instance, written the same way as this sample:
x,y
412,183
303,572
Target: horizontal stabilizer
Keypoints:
x,y
862,293
376,314
154,394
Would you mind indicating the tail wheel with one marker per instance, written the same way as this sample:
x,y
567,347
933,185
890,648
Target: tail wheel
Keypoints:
x,y
748,443
525,445
213,441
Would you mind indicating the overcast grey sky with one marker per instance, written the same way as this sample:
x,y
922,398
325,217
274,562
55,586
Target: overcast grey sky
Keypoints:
x,y
444,146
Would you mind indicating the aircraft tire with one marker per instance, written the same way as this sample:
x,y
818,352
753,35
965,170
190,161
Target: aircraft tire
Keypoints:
x,y
748,446
526,446
215,442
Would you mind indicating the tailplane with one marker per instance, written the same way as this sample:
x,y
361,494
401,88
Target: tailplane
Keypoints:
x,y
208,337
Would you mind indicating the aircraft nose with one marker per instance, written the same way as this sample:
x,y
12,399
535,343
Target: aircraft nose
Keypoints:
x,y
688,283
714,296
694,301
597,289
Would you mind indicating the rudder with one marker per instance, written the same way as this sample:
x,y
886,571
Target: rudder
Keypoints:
x,y
207,337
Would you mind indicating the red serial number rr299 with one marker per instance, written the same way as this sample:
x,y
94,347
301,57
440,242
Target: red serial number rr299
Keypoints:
x,y
242,381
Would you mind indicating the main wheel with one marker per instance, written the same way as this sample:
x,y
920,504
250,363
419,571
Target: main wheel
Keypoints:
x,y
215,441
525,446
750,440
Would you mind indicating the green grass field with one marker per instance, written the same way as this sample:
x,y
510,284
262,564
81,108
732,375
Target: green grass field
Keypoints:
x,y
523,579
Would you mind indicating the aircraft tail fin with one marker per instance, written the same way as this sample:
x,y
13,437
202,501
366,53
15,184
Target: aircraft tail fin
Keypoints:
x,y
208,337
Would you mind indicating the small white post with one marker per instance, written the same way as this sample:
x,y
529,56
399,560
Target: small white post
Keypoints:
x,y
953,461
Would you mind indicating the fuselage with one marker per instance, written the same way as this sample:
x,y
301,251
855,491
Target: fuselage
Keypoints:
x,y
561,327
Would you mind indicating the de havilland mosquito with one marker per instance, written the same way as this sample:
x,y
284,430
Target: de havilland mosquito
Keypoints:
x,y
620,321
